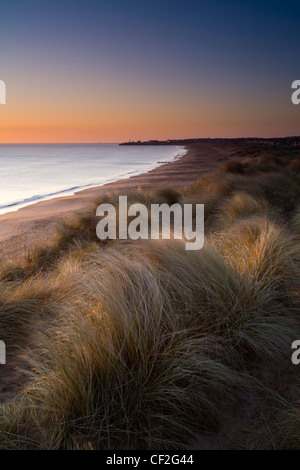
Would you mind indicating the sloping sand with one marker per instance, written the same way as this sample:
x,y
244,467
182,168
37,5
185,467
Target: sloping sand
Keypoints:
x,y
20,230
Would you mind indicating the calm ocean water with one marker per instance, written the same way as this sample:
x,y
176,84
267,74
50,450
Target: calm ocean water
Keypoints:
x,y
30,173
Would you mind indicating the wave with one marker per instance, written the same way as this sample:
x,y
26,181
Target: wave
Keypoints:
x,y
15,206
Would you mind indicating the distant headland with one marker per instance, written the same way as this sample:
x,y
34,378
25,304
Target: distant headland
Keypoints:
x,y
292,140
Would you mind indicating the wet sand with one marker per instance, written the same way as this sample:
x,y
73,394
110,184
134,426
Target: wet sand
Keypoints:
x,y
33,224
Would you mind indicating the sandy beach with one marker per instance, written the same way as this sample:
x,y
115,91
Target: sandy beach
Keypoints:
x,y
149,229
34,224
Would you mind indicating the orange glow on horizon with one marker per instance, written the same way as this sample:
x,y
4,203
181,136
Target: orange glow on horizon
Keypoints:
x,y
123,114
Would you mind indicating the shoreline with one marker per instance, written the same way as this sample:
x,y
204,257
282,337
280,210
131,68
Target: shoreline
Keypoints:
x,y
15,207
34,224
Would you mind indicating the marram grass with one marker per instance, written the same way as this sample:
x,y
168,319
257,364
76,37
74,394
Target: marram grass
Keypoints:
x,y
143,345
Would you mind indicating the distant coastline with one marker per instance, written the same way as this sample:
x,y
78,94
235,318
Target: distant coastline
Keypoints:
x,y
289,140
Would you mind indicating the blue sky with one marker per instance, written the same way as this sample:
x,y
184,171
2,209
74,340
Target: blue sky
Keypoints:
x,y
151,69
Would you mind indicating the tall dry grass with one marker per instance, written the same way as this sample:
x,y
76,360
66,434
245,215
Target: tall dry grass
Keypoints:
x,y
144,345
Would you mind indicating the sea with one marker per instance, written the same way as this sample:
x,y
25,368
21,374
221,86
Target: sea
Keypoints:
x,y
30,173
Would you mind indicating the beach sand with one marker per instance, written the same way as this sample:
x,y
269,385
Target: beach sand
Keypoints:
x,y
35,224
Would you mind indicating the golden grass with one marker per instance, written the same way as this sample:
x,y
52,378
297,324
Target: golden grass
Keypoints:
x,y
144,345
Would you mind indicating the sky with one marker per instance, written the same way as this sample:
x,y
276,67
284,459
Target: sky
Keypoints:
x,y
110,71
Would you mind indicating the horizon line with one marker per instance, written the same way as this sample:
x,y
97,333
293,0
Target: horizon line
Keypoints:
x,y
151,140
